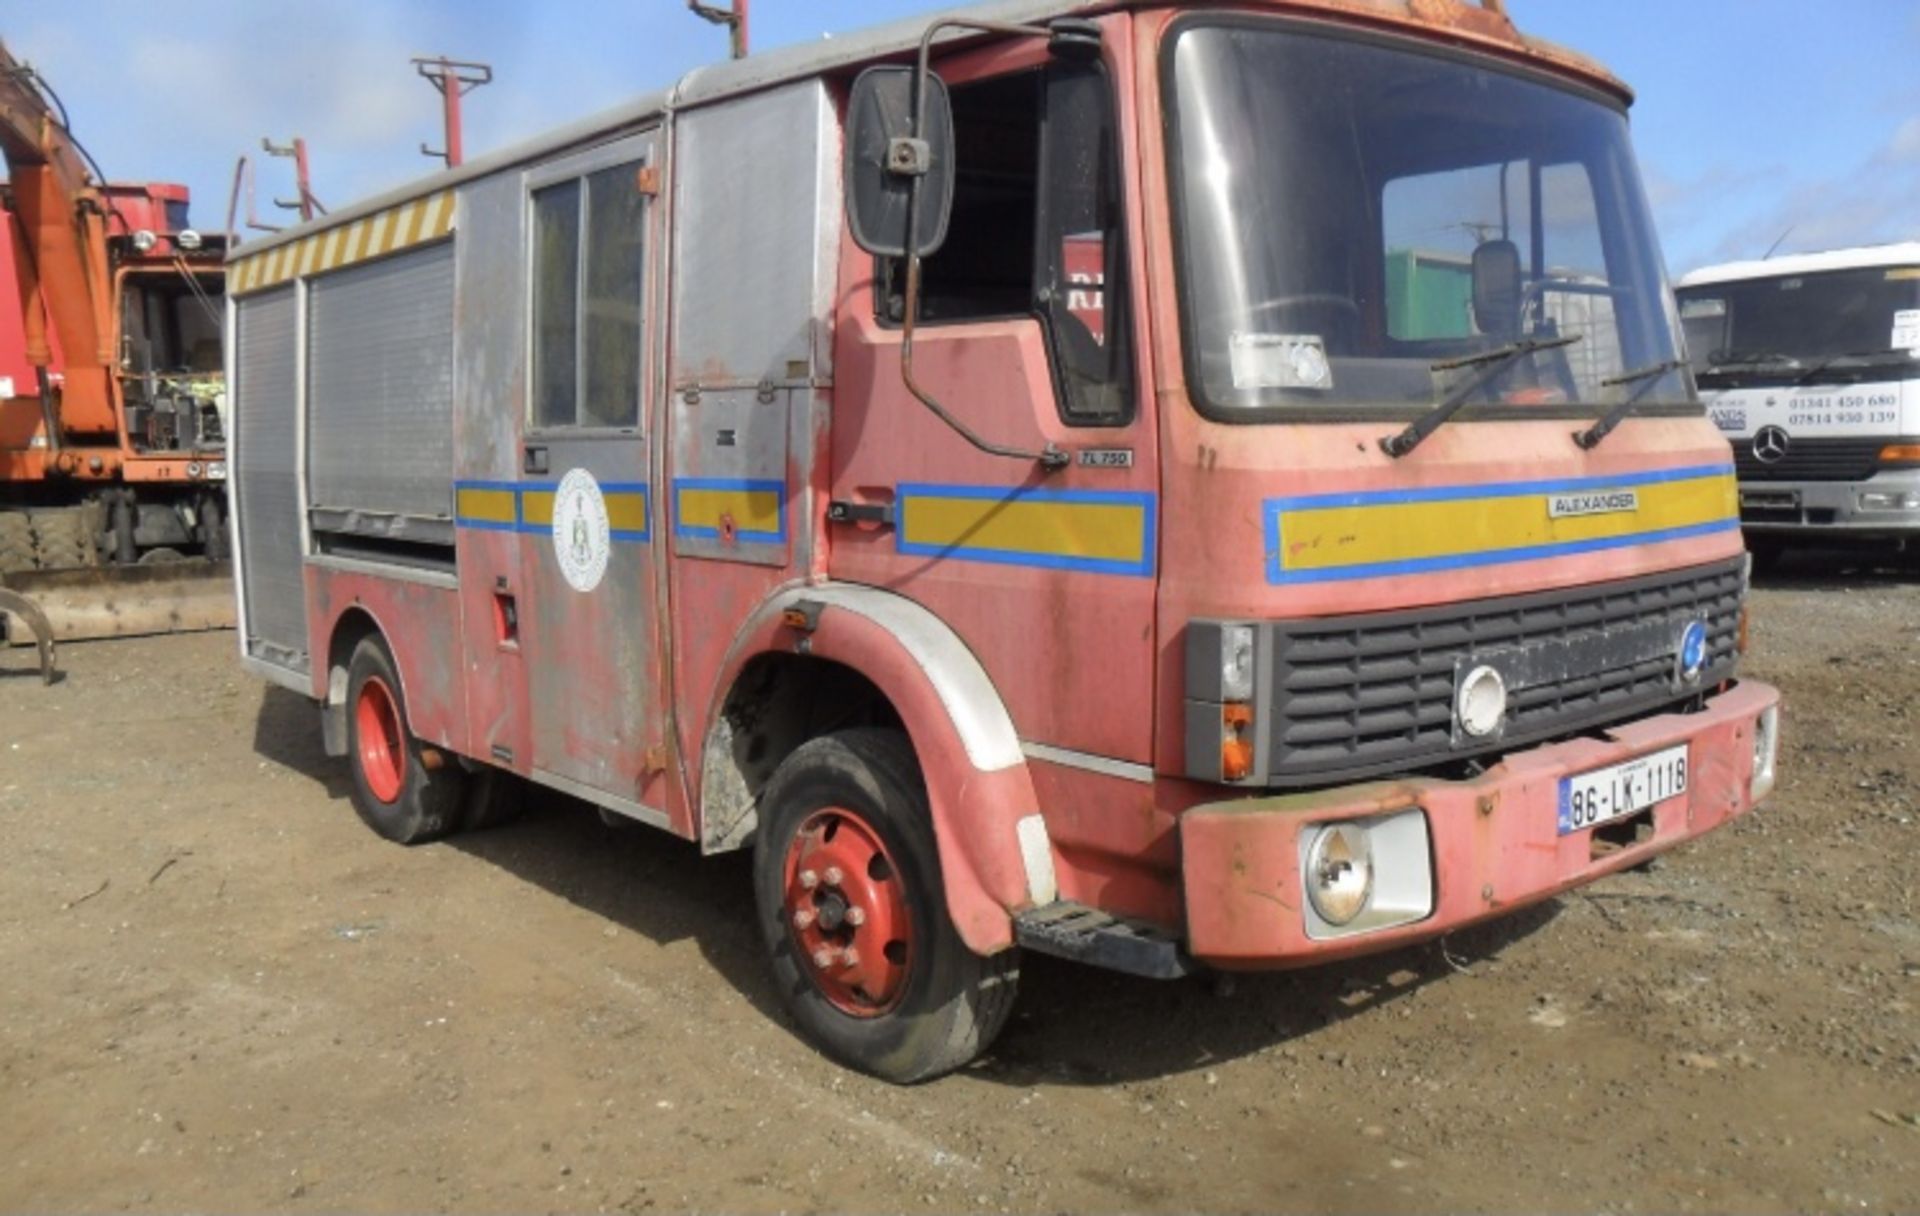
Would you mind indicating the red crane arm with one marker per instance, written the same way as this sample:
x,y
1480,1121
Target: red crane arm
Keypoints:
x,y
59,232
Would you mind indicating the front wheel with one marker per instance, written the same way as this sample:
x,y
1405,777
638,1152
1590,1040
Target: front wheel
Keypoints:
x,y
847,883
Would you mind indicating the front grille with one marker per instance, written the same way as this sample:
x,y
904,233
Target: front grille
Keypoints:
x,y
1811,460
1361,695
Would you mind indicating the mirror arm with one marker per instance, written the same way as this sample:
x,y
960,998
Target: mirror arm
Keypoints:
x,y
1050,457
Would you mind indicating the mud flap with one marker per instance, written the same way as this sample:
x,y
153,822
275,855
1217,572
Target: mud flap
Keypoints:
x,y
128,601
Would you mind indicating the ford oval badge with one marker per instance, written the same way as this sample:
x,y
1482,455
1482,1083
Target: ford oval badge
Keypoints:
x,y
1693,651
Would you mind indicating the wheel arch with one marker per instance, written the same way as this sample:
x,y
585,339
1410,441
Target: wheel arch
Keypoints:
x,y
898,664
353,625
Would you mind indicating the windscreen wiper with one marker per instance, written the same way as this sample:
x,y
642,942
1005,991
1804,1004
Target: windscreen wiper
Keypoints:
x,y
1748,360
1491,363
1883,353
1646,377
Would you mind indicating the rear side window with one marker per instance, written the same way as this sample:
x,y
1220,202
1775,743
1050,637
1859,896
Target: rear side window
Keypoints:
x,y
589,264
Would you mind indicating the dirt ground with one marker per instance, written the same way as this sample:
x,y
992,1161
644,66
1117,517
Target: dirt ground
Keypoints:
x,y
218,991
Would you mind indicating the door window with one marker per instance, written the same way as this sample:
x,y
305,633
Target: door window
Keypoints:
x,y
1037,231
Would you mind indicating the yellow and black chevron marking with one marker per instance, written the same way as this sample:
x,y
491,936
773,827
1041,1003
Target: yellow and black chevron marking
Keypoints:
x,y
401,227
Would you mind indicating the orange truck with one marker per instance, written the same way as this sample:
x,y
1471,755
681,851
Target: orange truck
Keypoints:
x,y
111,385
998,469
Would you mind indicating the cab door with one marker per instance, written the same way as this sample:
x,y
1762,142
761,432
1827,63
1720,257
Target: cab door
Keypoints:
x,y
586,510
1024,330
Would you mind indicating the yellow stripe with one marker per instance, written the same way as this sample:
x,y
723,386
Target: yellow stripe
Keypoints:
x,y
491,506
536,507
1114,532
402,227
750,510
627,511
1322,538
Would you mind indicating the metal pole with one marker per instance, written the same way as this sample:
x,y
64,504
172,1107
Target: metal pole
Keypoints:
x,y
455,79
450,120
733,17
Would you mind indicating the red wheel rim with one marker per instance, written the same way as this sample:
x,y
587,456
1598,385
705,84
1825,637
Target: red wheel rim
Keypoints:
x,y
383,749
846,908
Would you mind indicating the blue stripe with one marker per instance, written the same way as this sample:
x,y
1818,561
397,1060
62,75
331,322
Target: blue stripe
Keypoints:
x,y
1502,489
1149,518
1464,561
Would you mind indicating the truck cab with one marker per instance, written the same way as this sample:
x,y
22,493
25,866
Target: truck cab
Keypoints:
x,y
1810,364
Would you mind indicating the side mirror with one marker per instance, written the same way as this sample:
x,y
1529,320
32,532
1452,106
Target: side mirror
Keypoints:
x,y
1496,288
885,158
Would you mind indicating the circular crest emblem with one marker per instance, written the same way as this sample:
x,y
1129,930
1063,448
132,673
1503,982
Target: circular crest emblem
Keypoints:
x,y
580,530
1693,651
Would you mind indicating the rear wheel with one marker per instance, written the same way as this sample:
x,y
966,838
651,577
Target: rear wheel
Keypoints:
x,y
63,539
854,914
16,542
402,789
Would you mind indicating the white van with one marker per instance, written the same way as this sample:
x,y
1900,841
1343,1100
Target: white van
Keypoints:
x,y
1810,364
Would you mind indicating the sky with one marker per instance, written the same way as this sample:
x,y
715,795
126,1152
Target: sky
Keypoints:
x,y
1758,120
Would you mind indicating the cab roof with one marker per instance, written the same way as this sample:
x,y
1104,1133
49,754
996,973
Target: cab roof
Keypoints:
x,y
1863,257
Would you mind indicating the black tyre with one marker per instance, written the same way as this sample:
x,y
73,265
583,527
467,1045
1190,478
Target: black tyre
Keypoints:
x,y
407,792
63,539
16,542
495,798
1767,551
846,877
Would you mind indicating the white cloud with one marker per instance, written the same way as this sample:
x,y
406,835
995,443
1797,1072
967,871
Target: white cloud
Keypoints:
x,y
1871,204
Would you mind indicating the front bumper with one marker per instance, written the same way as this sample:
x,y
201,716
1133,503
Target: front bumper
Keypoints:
x,y
1829,508
1494,840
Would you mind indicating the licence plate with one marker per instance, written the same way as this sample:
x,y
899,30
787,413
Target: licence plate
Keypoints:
x,y
1621,789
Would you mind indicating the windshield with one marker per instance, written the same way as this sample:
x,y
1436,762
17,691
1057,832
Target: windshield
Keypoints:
x,y
169,328
1786,324
1352,214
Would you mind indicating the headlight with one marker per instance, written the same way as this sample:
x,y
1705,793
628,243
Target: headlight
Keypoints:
x,y
1481,703
1236,662
187,238
1880,500
143,240
1366,875
1340,872
216,470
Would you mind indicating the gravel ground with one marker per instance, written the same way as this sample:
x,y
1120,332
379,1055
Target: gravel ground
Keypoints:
x,y
222,993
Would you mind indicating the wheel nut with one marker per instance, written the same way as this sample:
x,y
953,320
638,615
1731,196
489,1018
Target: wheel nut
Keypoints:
x,y
803,919
809,879
856,917
823,958
833,876
849,957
